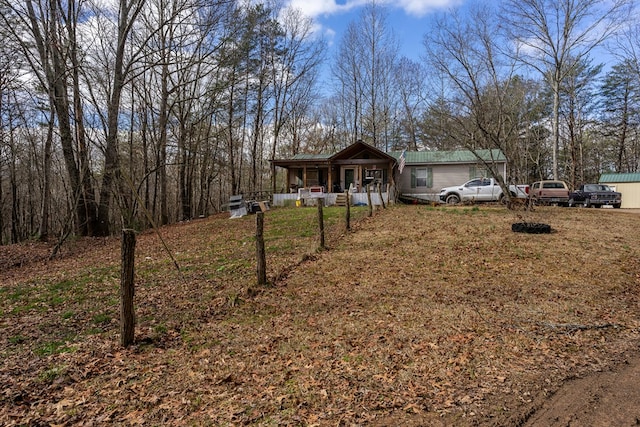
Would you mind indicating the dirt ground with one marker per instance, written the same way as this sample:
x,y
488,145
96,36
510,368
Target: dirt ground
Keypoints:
x,y
420,316
608,398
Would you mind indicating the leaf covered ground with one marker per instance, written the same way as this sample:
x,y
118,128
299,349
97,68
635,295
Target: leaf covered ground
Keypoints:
x,y
419,315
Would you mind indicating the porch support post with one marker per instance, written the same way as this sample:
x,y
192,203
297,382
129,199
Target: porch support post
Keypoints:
x,y
273,178
391,179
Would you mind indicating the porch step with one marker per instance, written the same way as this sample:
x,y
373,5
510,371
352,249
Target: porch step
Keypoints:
x,y
341,199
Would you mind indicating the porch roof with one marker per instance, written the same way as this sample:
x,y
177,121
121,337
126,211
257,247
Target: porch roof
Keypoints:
x,y
351,152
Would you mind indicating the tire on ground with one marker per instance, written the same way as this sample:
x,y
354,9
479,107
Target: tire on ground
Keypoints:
x,y
531,228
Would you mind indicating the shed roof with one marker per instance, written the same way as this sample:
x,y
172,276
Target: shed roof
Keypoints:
x,y
606,178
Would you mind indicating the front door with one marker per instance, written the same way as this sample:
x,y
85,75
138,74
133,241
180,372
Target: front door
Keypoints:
x,y
349,178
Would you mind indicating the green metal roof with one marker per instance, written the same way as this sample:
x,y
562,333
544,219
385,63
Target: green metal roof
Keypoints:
x,y
458,156
420,157
619,177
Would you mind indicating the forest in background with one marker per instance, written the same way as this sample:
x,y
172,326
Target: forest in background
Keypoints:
x,y
128,113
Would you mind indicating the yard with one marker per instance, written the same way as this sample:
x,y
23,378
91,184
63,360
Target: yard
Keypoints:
x,y
419,316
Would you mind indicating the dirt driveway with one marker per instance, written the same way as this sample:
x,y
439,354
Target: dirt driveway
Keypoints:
x,y
608,398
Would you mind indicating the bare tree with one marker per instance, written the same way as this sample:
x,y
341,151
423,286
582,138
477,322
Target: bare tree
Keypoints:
x,y
46,33
128,12
9,57
554,36
577,102
620,94
379,55
363,70
411,79
348,78
294,66
481,81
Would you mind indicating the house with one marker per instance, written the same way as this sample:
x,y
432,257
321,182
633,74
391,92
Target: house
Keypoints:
x,y
626,183
426,172
360,164
326,175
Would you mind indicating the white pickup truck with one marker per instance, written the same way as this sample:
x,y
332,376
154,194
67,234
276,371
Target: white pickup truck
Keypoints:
x,y
480,190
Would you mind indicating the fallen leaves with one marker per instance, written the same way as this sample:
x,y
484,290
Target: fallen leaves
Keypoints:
x,y
452,321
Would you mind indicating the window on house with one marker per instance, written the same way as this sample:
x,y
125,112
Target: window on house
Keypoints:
x,y
374,174
378,176
421,177
477,171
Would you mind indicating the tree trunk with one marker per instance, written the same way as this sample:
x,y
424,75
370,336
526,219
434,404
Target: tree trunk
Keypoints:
x,y
555,123
15,217
163,120
55,72
86,196
127,288
111,180
1,216
46,184
111,175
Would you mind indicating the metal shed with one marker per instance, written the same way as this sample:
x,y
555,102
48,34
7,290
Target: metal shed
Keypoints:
x,y
626,183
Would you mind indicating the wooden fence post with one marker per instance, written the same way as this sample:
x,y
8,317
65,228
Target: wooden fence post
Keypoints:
x,y
321,222
348,210
127,288
380,195
261,260
388,194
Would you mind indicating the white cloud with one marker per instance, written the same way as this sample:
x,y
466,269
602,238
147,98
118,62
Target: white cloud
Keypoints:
x,y
422,7
322,11
418,8
318,7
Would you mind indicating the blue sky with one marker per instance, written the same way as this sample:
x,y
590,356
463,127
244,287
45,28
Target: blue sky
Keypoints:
x,y
407,18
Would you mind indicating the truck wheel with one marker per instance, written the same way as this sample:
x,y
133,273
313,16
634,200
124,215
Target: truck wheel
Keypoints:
x,y
453,199
571,203
586,203
503,199
616,206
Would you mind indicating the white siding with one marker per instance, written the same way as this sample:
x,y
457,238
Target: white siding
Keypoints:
x,y
444,175
630,193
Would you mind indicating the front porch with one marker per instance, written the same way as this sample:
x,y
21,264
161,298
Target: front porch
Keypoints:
x,y
302,198
354,169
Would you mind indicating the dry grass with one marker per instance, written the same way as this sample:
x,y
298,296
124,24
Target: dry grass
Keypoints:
x,y
420,316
